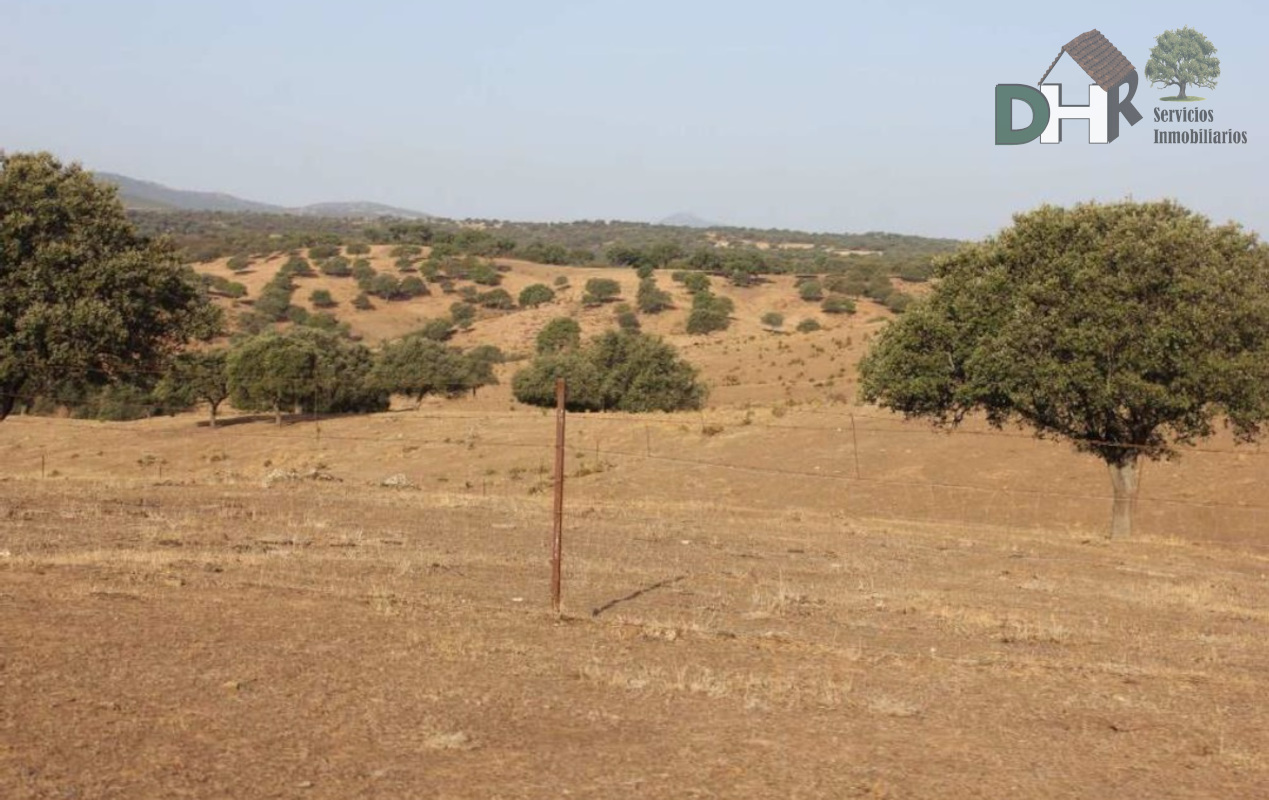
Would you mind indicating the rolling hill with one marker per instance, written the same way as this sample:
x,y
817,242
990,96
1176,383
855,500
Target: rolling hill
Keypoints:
x,y
142,195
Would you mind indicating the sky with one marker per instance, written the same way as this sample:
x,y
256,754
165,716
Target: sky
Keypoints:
x,y
810,115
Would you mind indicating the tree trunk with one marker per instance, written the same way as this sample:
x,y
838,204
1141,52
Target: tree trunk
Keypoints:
x,y
1123,477
277,413
1180,95
213,415
7,401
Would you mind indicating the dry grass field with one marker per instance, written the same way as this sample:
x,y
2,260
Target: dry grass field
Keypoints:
x,y
787,595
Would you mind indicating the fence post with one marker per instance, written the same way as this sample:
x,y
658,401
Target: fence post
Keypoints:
x,y
557,539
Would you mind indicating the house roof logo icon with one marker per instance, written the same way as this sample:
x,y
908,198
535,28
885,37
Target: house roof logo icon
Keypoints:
x,y
1096,56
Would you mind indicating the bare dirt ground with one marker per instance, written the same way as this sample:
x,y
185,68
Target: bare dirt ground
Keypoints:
x,y
726,633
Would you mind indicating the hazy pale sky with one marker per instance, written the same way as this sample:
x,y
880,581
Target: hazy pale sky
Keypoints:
x,y
830,116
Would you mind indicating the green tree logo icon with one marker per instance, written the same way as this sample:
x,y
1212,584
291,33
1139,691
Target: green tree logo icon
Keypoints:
x,y
1181,58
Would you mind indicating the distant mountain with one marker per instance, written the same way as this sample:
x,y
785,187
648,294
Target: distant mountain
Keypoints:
x,y
358,210
684,219
147,196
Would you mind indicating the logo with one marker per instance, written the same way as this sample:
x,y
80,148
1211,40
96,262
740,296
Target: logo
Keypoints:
x,y
1111,72
1183,58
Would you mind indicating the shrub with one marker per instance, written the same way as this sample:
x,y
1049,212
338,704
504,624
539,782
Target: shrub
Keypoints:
x,y
336,267
323,321
385,287
811,291
414,286
601,290
406,265
561,333
238,263
709,313
484,274
898,302
838,305
628,320
463,314
322,251
364,274
320,298
496,298
536,295
357,249
696,282
645,271
808,326
362,302
438,330
651,299
298,266
773,319
561,281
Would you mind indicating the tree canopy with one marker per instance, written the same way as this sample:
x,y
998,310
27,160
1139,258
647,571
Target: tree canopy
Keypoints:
x,y
1126,329
82,295
1181,58
618,370
306,368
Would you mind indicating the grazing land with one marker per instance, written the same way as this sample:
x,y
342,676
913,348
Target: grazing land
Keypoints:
x,y
784,595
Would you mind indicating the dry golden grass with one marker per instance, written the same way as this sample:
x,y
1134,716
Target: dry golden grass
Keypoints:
x,y
342,639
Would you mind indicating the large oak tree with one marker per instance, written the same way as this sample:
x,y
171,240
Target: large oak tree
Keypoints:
x,y
83,297
1127,329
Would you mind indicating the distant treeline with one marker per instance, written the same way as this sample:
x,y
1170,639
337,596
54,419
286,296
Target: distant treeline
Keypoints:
x,y
205,236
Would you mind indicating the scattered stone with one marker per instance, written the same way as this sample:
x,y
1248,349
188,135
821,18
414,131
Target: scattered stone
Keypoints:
x,y
398,481
277,476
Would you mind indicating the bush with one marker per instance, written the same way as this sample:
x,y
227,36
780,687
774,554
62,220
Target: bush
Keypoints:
x,y
628,320
414,286
696,282
385,287
363,273
357,249
808,326
406,265
238,263
323,321
898,302
811,291
320,298
645,271
561,281
298,266
838,305
438,330
496,298
651,299
322,251
709,313
484,274
773,319
463,314
560,334
336,267
536,295
622,371
601,290
362,302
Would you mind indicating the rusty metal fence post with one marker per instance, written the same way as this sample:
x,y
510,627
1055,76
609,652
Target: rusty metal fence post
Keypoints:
x,y
557,539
